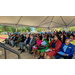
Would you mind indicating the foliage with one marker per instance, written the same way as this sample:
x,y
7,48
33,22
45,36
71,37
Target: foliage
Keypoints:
x,y
25,29
38,29
72,28
10,29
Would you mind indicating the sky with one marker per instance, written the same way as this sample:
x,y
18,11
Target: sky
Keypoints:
x,y
31,28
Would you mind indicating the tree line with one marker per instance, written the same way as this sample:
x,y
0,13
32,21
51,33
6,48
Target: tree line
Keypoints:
x,y
4,28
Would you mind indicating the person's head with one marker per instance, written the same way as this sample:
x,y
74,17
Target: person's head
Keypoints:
x,y
71,37
38,38
19,36
45,37
14,35
61,36
31,36
22,34
65,34
27,36
46,34
67,41
55,38
40,34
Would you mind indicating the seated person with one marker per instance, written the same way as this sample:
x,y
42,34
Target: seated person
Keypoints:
x,y
18,41
21,44
31,43
74,36
15,40
7,39
43,50
67,50
11,37
22,38
40,36
11,42
54,47
62,38
72,41
66,36
38,43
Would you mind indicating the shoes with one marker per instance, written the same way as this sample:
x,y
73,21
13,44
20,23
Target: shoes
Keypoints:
x,y
42,58
19,49
39,58
22,51
30,52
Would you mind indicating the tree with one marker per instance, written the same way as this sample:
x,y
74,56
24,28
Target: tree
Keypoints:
x,y
4,28
24,29
72,28
38,29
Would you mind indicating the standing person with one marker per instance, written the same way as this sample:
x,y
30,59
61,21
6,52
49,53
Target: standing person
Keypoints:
x,y
54,48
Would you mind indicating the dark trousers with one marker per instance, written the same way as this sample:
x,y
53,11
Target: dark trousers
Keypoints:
x,y
16,43
6,41
65,57
29,48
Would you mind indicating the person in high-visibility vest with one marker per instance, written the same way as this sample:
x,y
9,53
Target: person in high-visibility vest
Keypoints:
x,y
72,41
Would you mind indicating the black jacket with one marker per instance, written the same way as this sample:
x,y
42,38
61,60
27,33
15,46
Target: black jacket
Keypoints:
x,y
16,38
23,38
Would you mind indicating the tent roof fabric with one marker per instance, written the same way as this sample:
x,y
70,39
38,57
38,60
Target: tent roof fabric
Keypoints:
x,y
38,21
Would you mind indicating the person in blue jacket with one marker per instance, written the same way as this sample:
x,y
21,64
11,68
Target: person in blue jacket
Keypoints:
x,y
67,49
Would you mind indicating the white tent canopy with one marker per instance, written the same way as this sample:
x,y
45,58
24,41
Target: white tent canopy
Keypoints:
x,y
38,21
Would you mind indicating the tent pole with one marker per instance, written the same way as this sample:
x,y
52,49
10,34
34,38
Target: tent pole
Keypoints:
x,y
66,29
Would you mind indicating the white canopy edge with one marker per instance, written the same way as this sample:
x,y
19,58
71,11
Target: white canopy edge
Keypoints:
x,y
38,21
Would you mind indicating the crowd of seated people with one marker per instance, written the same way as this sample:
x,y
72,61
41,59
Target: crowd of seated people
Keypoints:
x,y
46,45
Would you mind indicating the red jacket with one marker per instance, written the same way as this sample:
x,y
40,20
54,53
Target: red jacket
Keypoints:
x,y
57,45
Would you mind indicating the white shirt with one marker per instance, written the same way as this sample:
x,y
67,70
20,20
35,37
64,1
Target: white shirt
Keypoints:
x,y
30,41
25,40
